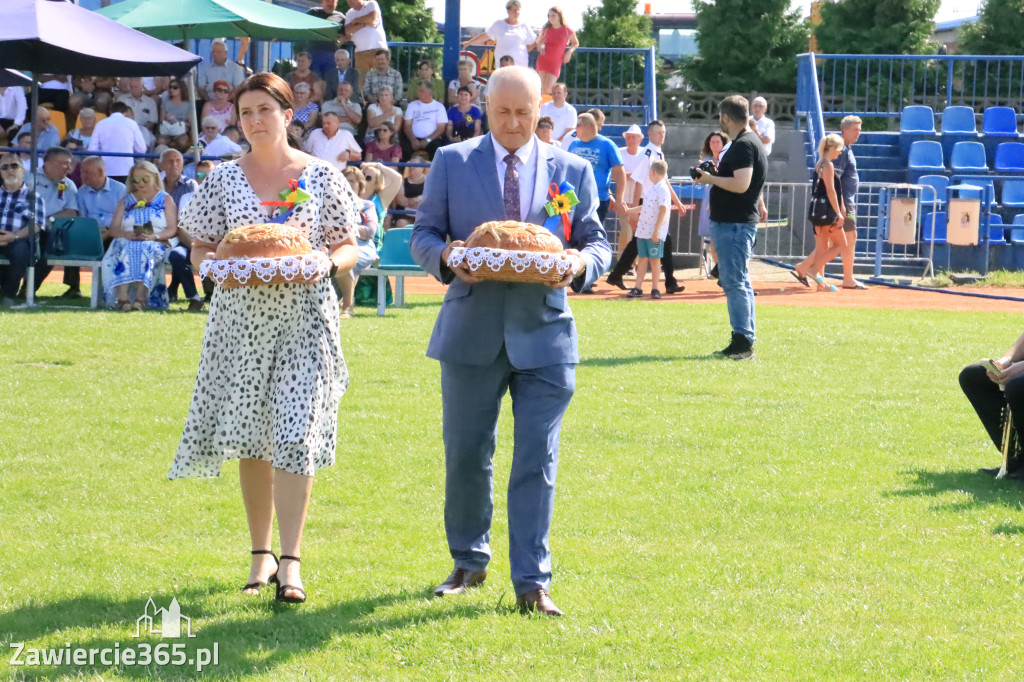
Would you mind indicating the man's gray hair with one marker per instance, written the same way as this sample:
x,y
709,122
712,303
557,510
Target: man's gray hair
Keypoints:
x,y
168,152
760,100
210,120
88,111
330,113
95,161
520,74
343,51
850,121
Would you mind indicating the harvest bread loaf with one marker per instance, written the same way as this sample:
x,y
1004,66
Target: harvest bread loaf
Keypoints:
x,y
266,240
510,251
514,236
266,253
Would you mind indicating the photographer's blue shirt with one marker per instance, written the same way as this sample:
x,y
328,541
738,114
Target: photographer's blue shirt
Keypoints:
x,y
603,155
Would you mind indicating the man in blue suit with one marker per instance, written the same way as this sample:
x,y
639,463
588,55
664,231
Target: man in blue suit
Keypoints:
x,y
492,337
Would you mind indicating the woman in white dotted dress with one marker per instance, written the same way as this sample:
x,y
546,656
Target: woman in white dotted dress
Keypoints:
x,y
271,371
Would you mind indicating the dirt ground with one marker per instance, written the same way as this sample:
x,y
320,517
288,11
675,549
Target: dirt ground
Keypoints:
x,y
776,286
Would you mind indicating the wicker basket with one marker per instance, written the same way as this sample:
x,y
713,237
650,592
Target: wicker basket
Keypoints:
x,y
248,272
503,265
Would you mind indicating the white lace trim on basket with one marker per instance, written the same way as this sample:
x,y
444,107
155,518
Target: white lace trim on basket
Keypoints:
x,y
305,268
496,259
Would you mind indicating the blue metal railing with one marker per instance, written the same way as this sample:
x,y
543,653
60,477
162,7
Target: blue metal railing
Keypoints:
x,y
808,100
881,85
607,78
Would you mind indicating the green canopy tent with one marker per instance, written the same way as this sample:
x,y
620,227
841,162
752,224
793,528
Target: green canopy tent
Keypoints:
x,y
197,19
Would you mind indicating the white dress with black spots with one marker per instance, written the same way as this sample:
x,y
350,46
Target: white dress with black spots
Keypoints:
x,y
271,371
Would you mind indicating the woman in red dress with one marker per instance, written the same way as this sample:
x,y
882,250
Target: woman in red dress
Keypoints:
x,y
556,44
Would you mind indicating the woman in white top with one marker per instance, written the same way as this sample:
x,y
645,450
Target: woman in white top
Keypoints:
x,y
383,109
511,38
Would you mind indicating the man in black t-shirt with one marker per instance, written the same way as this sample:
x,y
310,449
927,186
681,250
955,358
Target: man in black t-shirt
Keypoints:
x,y
736,207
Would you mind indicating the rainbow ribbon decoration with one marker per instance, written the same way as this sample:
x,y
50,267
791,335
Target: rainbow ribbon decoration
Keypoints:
x,y
291,197
563,198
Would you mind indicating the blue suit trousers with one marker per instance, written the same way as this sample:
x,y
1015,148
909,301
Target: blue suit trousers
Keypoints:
x,y
471,398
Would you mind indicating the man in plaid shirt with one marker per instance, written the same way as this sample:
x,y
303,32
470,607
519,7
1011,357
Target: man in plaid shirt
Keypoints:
x,y
382,74
15,218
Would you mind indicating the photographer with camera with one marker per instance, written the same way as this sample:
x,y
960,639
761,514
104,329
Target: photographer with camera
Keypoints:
x,y
736,208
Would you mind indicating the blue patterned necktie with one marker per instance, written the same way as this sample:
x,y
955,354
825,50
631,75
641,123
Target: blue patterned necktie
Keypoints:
x,y
511,195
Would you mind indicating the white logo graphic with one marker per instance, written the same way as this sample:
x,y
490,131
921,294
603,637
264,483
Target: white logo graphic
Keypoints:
x,y
170,621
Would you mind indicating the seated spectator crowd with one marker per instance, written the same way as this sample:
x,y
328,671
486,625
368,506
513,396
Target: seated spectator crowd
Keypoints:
x,y
342,116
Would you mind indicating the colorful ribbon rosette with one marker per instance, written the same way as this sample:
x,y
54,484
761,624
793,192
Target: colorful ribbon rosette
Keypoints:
x,y
291,197
563,198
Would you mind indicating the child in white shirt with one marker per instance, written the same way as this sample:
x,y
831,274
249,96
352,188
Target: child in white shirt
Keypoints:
x,y
651,229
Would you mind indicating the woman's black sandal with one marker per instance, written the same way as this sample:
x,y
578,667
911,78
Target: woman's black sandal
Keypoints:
x,y
282,588
273,579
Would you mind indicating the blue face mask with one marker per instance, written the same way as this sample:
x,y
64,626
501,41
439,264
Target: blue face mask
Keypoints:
x,y
200,175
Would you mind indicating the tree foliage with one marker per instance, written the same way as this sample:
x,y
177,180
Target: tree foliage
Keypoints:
x,y
999,29
409,21
877,27
746,45
615,23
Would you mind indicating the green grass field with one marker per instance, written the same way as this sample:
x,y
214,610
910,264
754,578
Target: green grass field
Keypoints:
x,y
811,515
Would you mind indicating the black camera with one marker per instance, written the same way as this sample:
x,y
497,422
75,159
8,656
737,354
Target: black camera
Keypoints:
x,y
707,166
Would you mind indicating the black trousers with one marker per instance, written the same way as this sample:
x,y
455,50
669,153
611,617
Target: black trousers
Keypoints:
x,y
989,401
20,255
629,255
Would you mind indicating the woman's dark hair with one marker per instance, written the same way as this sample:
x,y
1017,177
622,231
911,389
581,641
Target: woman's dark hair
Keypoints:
x,y
278,89
384,124
705,149
465,89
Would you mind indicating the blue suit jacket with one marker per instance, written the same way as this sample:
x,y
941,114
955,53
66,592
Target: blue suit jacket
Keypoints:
x,y
533,322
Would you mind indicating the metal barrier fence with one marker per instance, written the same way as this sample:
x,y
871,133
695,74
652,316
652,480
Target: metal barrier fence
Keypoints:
x,y
787,235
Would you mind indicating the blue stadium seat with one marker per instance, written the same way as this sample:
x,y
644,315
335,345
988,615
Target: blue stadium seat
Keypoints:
x,y
917,119
999,125
938,185
933,221
1017,236
1000,121
1013,195
958,120
958,125
968,157
964,192
1010,157
1019,219
916,123
925,158
996,233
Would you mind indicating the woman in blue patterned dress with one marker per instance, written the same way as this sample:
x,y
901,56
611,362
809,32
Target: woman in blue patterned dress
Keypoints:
x,y
143,228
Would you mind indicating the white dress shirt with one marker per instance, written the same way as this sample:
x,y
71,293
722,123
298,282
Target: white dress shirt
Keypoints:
x,y
642,173
766,127
13,105
117,133
329,148
527,167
